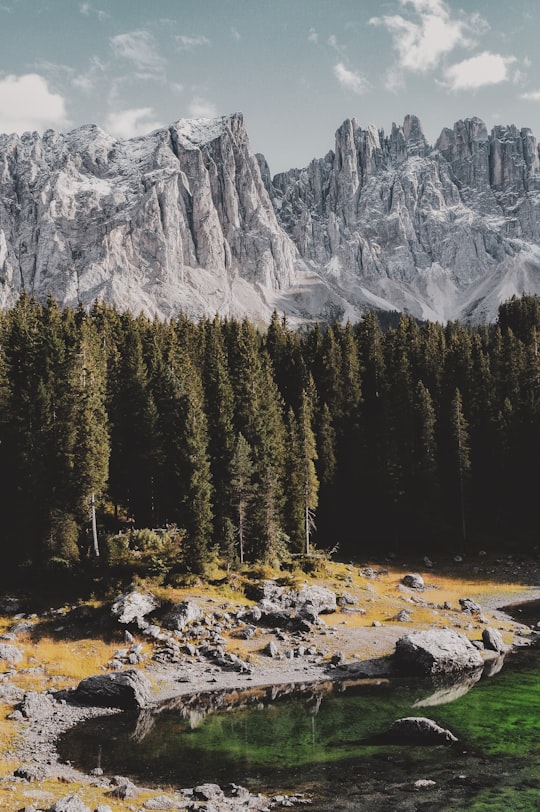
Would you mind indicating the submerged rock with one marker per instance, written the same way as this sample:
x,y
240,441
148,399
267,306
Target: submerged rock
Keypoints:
x,y
418,730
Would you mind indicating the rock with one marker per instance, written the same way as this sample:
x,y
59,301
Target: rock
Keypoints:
x,y
71,803
271,649
492,640
124,789
424,783
208,792
181,615
436,652
31,772
469,606
404,616
428,562
161,802
318,598
103,808
413,580
345,599
10,654
338,658
37,707
132,607
418,730
126,689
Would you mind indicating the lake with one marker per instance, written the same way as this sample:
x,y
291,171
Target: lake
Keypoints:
x,y
321,742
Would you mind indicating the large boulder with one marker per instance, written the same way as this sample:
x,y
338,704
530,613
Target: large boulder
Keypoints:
x,y
182,614
316,598
37,707
11,654
436,652
125,689
132,607
313,600
418,730
413,580
492,640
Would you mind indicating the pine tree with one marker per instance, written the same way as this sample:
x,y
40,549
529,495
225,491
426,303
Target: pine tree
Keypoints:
x,y
91,444
243,490
462,463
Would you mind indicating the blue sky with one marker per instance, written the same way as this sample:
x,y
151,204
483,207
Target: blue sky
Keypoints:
x,y
295,68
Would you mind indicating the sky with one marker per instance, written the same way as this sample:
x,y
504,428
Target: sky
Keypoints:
x,y
296,69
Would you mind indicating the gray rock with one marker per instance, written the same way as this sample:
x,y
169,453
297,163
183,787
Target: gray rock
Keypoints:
x,y
492,640
10,654
271,649
436,652
31,772
418,730
71,803
132,607
469,606
182,614
103,808
124,789
413,580
404,616
208,792
161,802
36,706
126,689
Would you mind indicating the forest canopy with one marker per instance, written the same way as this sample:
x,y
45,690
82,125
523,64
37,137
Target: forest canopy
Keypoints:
x,y
222,437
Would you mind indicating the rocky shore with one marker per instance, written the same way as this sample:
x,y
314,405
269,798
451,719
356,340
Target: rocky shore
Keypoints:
x,y
215,655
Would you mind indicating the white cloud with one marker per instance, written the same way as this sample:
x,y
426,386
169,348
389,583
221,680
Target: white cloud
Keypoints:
x,y
26,103
421,43
186,43
351,80
138,47
531,95
235,34
133,122
87,9
86,81
478,71
202,108
313,36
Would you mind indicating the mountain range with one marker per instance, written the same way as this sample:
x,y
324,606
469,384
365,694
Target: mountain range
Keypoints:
x,y
189,218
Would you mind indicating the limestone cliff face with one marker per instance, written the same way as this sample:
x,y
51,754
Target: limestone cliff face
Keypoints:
x,y
434,230
189,218
177,219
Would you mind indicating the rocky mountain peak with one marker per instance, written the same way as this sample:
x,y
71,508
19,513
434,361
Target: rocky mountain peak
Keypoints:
x,y
187,217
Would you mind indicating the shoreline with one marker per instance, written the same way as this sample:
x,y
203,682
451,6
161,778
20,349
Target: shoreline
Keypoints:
x,y
188,685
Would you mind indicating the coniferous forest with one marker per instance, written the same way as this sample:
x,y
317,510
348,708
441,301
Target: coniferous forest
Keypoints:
x,y
119,434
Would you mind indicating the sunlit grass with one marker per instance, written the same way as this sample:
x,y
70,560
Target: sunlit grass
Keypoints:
x,y
52,661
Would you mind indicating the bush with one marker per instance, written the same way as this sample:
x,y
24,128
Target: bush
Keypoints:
x,y
155,549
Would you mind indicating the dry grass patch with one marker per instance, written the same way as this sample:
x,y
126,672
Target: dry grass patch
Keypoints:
x,y
16,796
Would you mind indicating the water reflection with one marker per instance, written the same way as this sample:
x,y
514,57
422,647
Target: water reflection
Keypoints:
x,y
315,740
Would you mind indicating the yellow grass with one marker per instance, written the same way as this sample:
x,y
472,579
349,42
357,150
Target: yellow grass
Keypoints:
x,y
50,661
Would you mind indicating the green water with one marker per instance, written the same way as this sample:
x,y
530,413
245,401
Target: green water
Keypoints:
x,y
324,745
